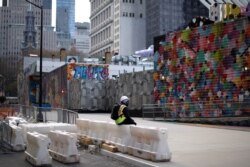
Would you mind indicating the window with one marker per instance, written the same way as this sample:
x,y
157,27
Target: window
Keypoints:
x,y
140,15
140,1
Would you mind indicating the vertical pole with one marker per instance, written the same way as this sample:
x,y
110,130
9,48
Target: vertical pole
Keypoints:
x,y
40,115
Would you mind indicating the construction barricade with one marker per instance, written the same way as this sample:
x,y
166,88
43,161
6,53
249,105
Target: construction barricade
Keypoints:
x,y
149,143
63,146
83,132
45,128
83,126
37,149
15,120
98,131
118,136
13,137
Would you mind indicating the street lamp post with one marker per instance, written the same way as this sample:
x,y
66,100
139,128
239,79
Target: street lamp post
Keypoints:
x,y
40,115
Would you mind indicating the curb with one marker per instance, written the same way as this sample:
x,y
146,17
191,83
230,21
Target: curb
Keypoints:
x,y
126,158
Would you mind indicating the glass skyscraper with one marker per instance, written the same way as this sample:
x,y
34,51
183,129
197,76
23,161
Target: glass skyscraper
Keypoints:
x,y
65,16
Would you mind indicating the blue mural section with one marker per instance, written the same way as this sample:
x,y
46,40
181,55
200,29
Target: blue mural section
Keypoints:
x,y
87,71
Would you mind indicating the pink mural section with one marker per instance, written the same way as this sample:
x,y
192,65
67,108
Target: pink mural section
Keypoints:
x,y
205,71
87,71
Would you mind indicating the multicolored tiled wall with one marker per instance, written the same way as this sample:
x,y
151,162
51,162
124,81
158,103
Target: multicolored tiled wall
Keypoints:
x,y
205,72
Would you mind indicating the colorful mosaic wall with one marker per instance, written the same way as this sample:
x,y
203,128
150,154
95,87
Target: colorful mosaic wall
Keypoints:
x,y
205,71
87,71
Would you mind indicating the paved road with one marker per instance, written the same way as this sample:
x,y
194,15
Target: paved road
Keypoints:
x,y
192,145
86,160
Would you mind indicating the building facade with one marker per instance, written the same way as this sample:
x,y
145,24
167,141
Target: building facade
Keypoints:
x,y
164,16
82,40
12,27
117,26
65,16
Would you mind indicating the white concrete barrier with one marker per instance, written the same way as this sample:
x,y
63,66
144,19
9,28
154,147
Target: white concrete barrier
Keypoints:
x,y
63,146
16,120
13,135
118,136
45,128
37,149
98,130
145,142
83,126
149,143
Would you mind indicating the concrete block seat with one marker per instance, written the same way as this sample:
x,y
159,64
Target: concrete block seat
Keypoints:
x,y
149,143
118,136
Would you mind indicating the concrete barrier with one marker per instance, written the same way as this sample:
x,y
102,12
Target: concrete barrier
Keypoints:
x,y
37,149
63,147
16,120
13,136
118,136
149,143
98,131
145,142
45,128
83,126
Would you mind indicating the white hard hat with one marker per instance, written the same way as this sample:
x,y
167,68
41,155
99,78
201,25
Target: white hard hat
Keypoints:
x,y
124,98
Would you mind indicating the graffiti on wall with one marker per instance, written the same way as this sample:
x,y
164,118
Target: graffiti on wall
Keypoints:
x,y
87,71
206,70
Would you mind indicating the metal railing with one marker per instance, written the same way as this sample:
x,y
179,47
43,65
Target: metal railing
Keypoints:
x,y
30,114
49,114
199,109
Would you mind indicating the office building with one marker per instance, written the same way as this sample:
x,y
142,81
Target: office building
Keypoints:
x,y
65,16
82,40
164,16
12,28
118,27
